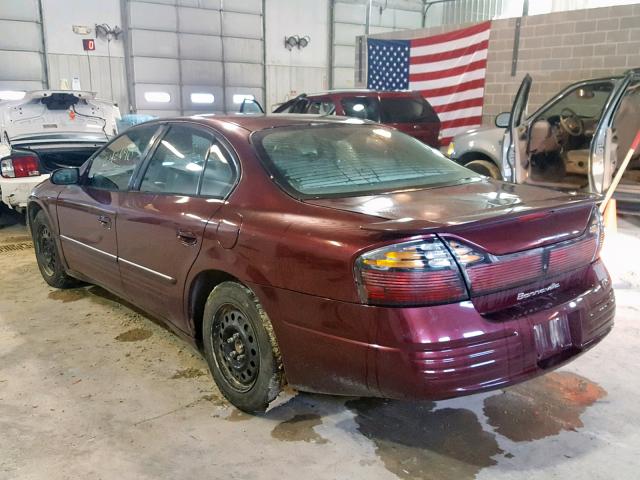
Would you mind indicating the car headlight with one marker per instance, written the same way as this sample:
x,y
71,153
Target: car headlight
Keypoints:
x,y
450,149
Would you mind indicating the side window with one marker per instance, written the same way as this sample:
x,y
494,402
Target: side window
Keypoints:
x,y
322,107
112,168
178,162
365,108
219,174
300,106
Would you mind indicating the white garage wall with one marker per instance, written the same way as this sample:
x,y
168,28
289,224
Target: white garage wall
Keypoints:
x,y
21,46
290,72
180,47
96,70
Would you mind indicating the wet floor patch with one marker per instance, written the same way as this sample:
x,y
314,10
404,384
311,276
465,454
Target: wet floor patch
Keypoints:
x,y
415,441
300,428
542,407
134,335
189,373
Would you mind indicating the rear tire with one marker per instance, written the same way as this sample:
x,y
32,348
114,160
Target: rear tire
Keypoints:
x,y
47,255
241,348
485,167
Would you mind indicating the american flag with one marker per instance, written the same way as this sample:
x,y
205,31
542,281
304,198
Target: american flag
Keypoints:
x,y
447,69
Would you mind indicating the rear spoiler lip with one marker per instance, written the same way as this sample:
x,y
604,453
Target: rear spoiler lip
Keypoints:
x,y
419,227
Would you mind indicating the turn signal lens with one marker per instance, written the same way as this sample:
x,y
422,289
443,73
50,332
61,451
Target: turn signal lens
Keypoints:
x,y
420,272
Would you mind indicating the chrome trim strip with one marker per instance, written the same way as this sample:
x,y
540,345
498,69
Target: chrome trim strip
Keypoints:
x,y
166,278
93,249
148,270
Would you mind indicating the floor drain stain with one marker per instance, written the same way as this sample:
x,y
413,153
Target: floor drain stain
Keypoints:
x,y
14,247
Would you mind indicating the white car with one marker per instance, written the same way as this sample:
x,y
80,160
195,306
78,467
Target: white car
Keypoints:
x,y
46,130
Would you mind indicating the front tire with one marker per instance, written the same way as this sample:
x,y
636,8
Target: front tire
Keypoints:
x,y
240,348
47,255
485,167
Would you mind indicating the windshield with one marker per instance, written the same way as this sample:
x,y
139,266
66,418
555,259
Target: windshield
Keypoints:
x,y
586,101
334,160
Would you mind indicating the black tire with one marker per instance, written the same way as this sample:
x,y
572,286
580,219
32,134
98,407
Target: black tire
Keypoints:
x,y
47,255
241,348
484,167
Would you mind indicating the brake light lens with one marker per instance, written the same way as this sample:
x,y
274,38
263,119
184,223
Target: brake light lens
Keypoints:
x,y
19,166
488,273
419,272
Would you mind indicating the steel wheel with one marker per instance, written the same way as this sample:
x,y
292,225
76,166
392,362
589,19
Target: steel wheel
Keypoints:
x,y
47,250
235,347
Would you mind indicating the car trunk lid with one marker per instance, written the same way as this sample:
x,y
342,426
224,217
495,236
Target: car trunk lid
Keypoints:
x,y
532,241
498,217
50,112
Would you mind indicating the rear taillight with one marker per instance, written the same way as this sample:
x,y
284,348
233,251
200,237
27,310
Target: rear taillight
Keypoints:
x,y
488,273
19,166
596,228
419,272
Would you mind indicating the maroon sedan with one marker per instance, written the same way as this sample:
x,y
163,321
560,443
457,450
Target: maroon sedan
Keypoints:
x,y
339,256
405,110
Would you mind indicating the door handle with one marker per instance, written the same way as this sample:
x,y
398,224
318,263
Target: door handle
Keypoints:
x,y
187,237
104,221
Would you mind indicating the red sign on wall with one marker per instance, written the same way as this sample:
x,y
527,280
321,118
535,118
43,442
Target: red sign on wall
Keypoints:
x,y
88,44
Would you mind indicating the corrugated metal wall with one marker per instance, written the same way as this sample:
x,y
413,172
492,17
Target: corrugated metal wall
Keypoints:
x,y
186,47
21,46
350,22
469,11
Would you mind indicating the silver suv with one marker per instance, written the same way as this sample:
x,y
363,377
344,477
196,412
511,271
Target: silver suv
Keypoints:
x,y
575,141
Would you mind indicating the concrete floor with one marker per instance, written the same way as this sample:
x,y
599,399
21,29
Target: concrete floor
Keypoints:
x,y
91,389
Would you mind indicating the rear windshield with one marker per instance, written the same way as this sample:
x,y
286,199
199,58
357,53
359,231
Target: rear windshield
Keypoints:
x,y
406,110
343,160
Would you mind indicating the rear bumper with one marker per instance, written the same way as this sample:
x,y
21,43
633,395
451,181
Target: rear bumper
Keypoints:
x,y
15,191
430,352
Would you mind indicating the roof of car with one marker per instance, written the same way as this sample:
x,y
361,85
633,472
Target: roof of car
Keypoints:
x,y
253,123
363,92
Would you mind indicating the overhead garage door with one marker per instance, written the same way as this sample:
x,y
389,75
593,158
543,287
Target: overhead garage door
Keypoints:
x,y
21,47
194,56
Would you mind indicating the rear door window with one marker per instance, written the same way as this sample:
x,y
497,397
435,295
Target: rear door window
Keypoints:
x,y
178,162
406,110
366,108
219,175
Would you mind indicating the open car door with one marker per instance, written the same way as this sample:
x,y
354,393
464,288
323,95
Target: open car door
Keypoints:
x,y
251,106
618,125
513,165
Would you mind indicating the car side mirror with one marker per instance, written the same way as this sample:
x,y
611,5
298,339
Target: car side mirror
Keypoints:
x,y
502,120
65,176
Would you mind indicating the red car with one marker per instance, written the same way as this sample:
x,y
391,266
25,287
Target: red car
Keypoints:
x,y
407,111
343,256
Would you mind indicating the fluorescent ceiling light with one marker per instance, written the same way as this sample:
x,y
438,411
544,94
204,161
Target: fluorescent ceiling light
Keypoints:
x,y
240,97
11,95
202,98
172,149
157,97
